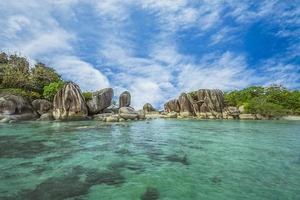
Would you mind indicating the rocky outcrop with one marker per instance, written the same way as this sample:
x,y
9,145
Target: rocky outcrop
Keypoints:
x,y
14,108
100,100
247,116
211,103
231,113
172,106
141,114
148,108
42,106
203,103
172,115
124,99
69,103
186,107
128,113
111,109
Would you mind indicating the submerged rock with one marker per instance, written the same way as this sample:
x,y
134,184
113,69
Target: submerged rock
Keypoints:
x,y
124,99
14,107
100,100
150,194
176,158
69,103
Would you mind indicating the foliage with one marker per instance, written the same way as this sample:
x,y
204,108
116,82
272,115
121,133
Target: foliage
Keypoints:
x,y
13,77
51,90
20,92
193,95
270,101
16,73
87,96
41,76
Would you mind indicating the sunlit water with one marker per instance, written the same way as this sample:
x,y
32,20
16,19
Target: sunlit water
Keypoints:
x,y
158,159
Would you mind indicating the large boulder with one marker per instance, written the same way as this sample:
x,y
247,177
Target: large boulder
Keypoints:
x,y
111,109
172,106
15,108
100,100
124,99
128,113
231,112
42,106
148,108
210,103
69,103
186,107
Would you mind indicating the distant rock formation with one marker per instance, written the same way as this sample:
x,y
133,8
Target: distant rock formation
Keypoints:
x,y
172,106
124,99
69,103
148,108
100,100
203,103
185,105
14,108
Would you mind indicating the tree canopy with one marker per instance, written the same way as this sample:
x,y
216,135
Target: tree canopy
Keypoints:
x,y
17,77
269,101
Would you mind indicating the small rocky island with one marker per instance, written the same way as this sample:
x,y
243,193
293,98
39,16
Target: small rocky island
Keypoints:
x,y
39,93
70,104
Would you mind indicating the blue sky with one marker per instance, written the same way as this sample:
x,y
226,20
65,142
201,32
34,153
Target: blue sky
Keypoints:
x,y
158,49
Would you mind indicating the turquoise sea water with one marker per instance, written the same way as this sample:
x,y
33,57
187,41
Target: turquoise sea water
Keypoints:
x,y
158,159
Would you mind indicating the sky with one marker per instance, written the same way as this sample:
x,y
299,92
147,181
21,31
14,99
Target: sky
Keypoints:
x,y
157,49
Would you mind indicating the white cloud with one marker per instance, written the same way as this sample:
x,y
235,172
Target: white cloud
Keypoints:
x,y
80,72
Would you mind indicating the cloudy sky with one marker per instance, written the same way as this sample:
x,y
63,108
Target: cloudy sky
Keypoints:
x,y
157,49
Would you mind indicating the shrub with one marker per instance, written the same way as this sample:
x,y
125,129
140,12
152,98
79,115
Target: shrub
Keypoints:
x,y
194,95
21,92
87,96
51,90
42,76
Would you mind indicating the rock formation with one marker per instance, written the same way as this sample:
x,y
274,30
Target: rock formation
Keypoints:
x,y
124,99
148,108
231,113
13,108
128,113
69,103
186,108
172,105
42,106
100,100
204,103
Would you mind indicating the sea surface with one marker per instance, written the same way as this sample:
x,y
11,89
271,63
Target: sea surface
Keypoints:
x,y
156,159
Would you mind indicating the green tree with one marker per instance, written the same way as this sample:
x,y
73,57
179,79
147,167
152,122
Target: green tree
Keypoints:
x,y
51,90
41,76
13,77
